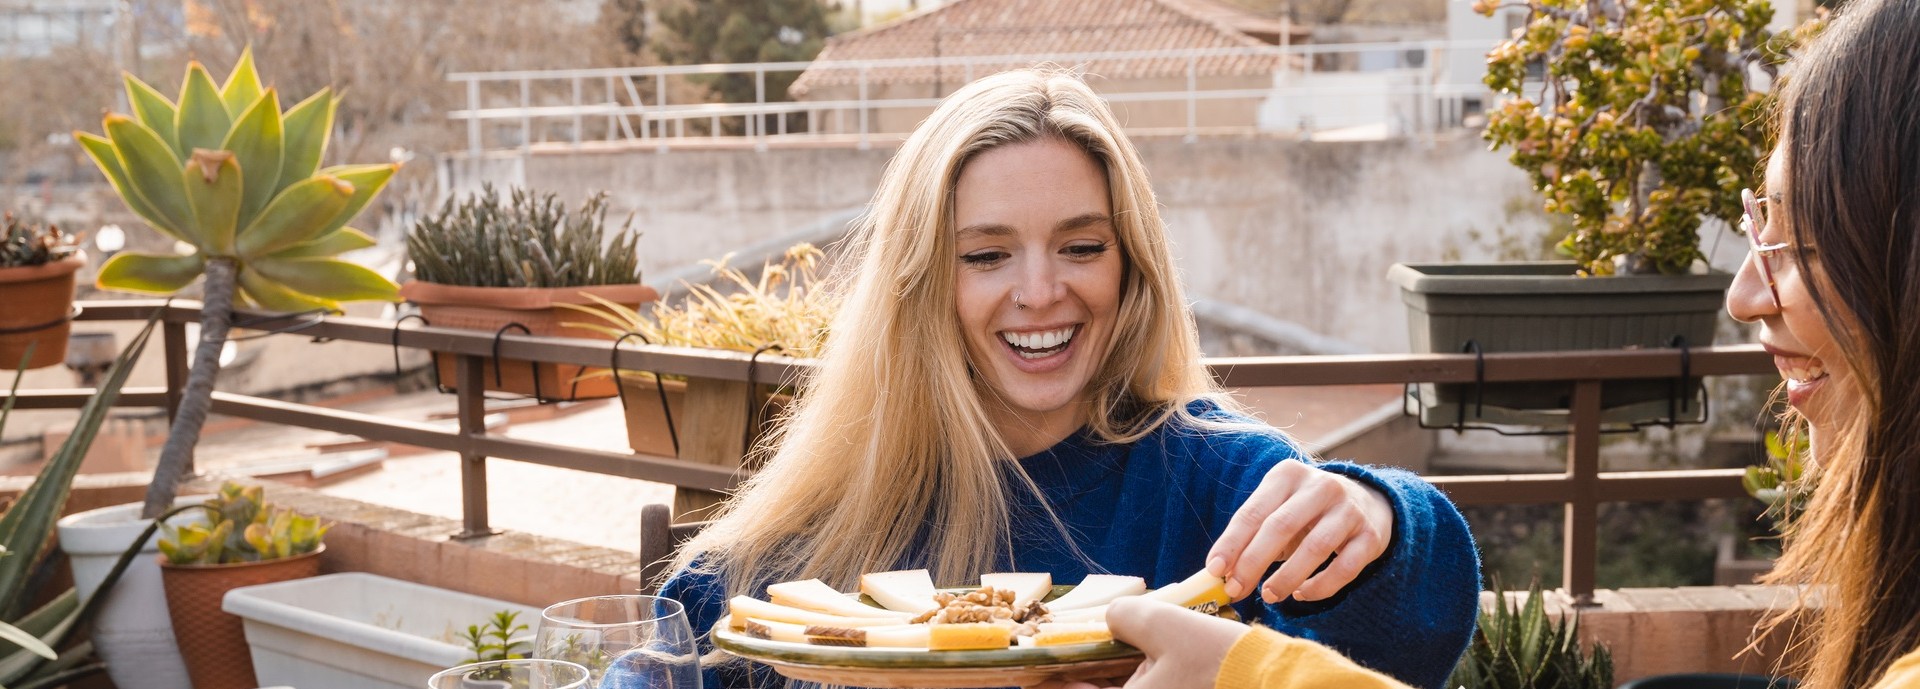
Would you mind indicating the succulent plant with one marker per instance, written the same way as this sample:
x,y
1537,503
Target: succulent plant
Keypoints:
x,y
1783,484
1519,647
32,244
1648,118
241,527
526,240
227,173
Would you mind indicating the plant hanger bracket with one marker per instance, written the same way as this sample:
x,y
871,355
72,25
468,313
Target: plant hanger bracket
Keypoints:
x,y
666,410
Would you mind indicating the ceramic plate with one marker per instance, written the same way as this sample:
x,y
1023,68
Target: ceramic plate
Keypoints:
x,y
903,667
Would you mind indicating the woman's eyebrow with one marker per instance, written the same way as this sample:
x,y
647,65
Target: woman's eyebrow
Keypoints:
x,y
999,230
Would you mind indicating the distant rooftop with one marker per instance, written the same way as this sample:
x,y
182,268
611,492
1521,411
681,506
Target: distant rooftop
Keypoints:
x,y
1021,27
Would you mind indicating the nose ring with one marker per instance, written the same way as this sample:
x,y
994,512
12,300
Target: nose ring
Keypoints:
x,y
1016,300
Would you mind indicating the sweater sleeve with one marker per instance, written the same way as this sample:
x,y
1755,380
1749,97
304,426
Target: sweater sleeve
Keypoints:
x,y
1411,612
1265,659
705,597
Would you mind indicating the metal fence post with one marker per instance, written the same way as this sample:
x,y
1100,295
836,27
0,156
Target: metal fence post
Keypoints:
x,y
864,144
473,465
1193,103
473,121
1582,533
576,111
526,121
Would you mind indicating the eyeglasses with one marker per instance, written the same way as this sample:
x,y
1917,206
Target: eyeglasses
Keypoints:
x,y
1765,255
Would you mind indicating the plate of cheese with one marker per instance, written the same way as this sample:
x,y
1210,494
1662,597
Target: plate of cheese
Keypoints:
x,y
899,630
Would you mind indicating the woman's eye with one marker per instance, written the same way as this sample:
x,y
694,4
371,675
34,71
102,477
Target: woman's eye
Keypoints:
x,y
1087,250
983,258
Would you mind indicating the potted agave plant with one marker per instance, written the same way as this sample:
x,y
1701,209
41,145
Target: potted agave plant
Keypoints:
x,y
1650,119
510,265
37,263
238,182
783,312
244,542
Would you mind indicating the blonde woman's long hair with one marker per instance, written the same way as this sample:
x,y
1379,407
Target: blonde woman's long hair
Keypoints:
x,y
888,456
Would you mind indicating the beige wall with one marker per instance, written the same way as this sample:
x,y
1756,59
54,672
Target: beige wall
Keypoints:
x,y
1239,112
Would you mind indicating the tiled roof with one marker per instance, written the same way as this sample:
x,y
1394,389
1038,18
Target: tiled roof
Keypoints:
x,y
1028,27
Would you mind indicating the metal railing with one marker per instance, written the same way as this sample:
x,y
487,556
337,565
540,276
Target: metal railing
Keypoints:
x,y
634,104
1581,488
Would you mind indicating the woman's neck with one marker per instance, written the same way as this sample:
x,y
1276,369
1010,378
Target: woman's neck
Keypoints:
x,y
1027,433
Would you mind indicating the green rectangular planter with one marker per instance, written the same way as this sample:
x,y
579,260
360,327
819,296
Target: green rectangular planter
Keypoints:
x,y
1545,306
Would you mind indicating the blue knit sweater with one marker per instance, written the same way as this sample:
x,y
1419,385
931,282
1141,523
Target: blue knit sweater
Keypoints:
x,y
1153,509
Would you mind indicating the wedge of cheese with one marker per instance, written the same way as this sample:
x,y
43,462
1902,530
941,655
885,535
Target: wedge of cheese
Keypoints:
x,y
1202,591
1097,590
908,591
1026,586
1063,633
743,608
814,595
971,636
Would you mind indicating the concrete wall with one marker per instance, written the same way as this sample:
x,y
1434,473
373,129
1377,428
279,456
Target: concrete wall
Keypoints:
x,y
1302,231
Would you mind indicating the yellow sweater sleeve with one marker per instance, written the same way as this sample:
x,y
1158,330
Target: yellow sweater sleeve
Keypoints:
x,y
1266,659
1903,674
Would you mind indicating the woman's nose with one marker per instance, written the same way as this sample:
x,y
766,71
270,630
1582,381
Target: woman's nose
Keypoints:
x,y
1039,284
1749,298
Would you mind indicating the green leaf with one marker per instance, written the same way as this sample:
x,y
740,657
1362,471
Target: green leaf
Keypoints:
x,y
202,121
153,110
273,296
101,151
307,127
242,87
328,278
367,180
24,640
333,243
213,182
299,214
256,140
154,173
131,271
28,523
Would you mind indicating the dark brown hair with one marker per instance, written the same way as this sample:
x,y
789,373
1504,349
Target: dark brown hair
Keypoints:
x,y
1850,117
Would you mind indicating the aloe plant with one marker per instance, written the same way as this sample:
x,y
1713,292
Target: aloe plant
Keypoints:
x,y
28,659
224,171
241,527
1519,647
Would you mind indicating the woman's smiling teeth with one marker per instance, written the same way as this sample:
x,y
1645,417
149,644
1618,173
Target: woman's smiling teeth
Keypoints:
x,y
1040,344
1800,370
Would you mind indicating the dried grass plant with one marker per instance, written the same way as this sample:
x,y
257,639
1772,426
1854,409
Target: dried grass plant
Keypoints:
x,y
785,307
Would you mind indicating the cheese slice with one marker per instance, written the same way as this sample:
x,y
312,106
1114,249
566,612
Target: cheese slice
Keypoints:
x,y
819,597
909,591
744,607
1063,633
902,636
774,631
1202,591
971,636
1026,587
1097,590
1096,613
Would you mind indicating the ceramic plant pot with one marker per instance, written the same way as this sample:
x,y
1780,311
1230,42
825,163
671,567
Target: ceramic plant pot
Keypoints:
x,y
490,309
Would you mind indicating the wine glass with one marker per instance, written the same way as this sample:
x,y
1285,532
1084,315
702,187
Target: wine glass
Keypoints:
x,y
519,673
626,641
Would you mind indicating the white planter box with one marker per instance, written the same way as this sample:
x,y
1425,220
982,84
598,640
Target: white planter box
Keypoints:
x,y
356,631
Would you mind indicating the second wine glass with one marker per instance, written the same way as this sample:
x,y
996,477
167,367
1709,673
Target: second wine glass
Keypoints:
x,y
624,641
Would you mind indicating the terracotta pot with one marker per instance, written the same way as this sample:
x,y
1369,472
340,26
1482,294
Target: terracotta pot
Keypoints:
x,y
212,641
489,309
38,304
647,424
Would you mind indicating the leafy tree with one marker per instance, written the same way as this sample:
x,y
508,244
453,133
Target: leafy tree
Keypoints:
x,y
628,21
707,31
